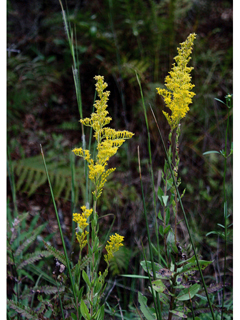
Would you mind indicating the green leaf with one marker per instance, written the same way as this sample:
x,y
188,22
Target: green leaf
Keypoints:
x,y
160,194
171,242
218,233
148,266
188,293
178,313
209,152
147,312
161,230
165,200
167,229
86,279
162,297
160,216
169,183
192,259
220,101
100,313
160,287
193,266
84,310
74,317
134,276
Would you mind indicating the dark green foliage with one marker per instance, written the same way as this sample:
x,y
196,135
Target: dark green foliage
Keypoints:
x,y
19,275
22,310
31,175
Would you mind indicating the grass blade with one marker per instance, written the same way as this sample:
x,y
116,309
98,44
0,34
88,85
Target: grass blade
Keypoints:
x,y
60,229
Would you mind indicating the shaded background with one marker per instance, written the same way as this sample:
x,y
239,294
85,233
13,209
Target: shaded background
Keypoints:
x,y
114,38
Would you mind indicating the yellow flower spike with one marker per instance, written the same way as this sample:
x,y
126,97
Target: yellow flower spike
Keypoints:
x,y
178,96
113,246
108,140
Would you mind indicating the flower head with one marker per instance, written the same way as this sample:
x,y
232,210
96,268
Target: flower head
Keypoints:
x,y
81,219
108,140
179,95
113,246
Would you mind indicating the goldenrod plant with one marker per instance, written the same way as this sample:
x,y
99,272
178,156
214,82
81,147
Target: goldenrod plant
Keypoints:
x,y
108,141
82,286
175,288
87,295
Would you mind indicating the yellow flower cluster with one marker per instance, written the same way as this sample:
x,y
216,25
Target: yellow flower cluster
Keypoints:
x,y
113,246
82,239
81,220
179,95
108,140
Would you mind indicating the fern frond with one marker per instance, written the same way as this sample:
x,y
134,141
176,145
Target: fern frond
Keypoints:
x,y
59,186
50,289
42,289
31,175
33,257
28,181
23,176
30,239
56,253
81,264
132,66
22,310
16,224
39,180
84,262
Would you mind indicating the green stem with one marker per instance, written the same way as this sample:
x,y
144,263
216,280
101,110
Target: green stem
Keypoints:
x,y
185,218
176,164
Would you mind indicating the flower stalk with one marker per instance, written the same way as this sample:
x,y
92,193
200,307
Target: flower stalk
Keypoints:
x,y
108,142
